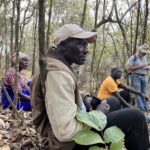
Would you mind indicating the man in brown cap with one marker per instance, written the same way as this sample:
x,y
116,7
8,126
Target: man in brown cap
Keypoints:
x,y
55,112
136,65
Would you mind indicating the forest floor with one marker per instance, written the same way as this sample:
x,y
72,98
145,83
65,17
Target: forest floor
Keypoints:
x,y
20,135
16,134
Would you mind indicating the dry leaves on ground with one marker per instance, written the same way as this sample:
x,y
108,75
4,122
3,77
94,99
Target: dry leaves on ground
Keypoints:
x,y
15,135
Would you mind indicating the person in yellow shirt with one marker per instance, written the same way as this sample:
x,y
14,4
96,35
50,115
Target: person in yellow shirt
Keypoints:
x,y
109,90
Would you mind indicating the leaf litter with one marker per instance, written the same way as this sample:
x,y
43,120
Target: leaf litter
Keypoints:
x,y
16,136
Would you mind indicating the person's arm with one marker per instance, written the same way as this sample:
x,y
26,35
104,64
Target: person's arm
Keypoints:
x,y
132,90
60,105
26,87
128,88
122,101
23,96
93,103
133,68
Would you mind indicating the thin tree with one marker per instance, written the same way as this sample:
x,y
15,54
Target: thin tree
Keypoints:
x,y
34,41
5,35
145,22
17,48
94,47
12,28
42,49
49,23
124,35
137,25
24,22
83,13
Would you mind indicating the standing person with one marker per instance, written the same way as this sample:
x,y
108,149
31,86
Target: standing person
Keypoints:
x,y
109,90
54,113
23,88
136,64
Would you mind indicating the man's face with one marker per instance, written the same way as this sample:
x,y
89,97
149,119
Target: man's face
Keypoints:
x,y
141,54
76,51
118,74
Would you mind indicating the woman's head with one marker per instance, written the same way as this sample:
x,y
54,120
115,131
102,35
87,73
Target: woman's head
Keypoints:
x,y
23,60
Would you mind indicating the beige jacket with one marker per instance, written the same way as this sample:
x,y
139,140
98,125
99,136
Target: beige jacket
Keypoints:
x,y
54,112
61,106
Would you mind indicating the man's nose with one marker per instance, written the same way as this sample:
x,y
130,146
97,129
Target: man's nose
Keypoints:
x,y
86,50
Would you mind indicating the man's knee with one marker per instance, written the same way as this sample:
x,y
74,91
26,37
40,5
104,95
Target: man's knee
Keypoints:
x,y
114,104
138,113
114,101
135,114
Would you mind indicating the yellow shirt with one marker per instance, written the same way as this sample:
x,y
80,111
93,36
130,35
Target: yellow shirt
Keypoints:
x,y
108,87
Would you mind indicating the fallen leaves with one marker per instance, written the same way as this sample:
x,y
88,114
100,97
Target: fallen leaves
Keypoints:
x,y
14,135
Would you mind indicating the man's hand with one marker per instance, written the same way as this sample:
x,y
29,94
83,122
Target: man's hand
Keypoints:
x,y
144,96
103,107
87,101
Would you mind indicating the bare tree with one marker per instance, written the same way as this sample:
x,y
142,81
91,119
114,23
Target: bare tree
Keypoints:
x,y
83,13
34,42
122,30
24,22
42,49
12,27
145,21
49,22
17,48
137,25
5,35
94,48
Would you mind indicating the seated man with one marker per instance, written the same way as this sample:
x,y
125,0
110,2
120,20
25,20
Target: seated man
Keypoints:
x,y
109,89
54,111
23,88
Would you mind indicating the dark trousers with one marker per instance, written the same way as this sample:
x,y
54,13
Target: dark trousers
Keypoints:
x,y
132,122
115,104
125,95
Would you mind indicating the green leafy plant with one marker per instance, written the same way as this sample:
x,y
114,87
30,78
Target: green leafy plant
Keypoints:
x,y
98,120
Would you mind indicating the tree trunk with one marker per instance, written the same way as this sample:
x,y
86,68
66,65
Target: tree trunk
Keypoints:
x,y
42,50
83,14
23,24
17,48
34,43
12,28
137,26
49,22
122,31
145,22
94,48
5,38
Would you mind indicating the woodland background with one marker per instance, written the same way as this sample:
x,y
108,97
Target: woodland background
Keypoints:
x,y
122,25
28,26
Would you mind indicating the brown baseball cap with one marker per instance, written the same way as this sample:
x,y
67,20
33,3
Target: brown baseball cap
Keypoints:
x,y
72,31
144,48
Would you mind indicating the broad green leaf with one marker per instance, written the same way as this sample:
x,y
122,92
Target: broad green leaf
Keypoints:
x,y
117,146
98,118
113,134
95,148
87,138
94,119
